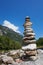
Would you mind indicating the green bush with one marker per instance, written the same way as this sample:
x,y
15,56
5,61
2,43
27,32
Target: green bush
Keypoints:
x,y
6,43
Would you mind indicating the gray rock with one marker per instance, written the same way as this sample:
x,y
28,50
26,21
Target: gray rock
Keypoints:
x,y
40,51
7,59
13,52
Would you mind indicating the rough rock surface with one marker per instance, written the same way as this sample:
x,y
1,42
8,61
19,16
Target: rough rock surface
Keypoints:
x,y
38,61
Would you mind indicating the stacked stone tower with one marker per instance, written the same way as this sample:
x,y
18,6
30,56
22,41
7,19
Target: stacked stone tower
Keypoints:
x,y
29,39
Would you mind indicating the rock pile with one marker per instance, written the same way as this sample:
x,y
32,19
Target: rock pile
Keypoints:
x,y
11,57
29,39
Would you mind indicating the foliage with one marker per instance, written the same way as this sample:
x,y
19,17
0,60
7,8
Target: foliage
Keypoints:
x,y
39,42
6,43
17,45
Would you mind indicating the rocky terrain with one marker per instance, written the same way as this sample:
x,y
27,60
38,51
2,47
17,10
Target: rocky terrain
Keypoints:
x,y
13,58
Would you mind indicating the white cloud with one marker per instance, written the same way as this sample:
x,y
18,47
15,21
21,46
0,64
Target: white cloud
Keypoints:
x,y
11,26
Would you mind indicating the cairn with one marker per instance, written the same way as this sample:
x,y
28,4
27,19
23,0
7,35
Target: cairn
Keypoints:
x,y
29,40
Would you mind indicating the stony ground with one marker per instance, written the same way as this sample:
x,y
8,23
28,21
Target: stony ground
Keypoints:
x,y
38,61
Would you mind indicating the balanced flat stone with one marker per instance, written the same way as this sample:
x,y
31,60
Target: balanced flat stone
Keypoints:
x,y
30,47
30,41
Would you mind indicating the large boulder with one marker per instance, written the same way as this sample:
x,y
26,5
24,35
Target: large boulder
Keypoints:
x,y
16,53
13,53
6,59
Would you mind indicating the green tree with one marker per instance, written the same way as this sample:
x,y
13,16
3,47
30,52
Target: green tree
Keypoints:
x,y
6,43
17,45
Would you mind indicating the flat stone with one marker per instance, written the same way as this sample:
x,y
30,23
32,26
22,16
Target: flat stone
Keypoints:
x,y
33,57
34,52
29,46
18,60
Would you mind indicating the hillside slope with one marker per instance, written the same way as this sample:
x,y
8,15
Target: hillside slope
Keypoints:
x,y
10,33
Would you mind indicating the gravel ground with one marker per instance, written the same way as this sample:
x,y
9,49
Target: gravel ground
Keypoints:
x,y
39,61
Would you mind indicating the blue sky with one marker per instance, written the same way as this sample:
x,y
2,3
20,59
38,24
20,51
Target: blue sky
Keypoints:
x,y
15,11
